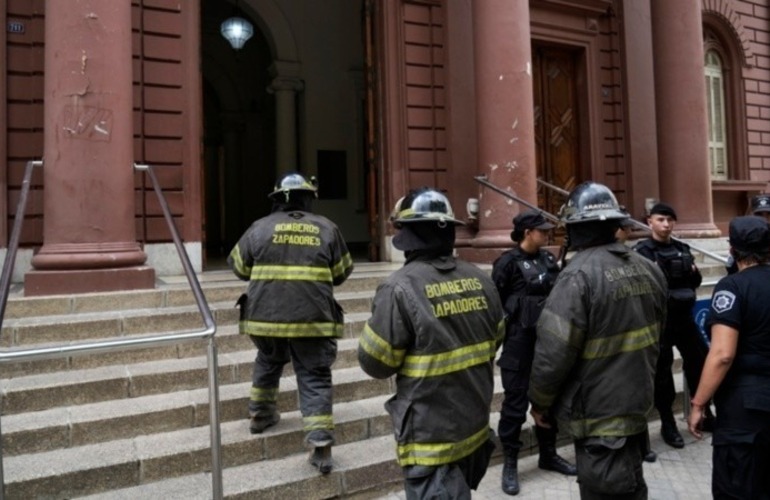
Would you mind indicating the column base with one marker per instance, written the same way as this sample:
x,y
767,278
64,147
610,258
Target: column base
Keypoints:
x,y
88,280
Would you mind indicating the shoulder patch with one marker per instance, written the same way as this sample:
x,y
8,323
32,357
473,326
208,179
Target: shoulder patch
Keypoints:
x,y
723,301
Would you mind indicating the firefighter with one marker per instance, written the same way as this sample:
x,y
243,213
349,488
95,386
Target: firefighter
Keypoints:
x,y
678,265
436,324
597,342
292,258
524,276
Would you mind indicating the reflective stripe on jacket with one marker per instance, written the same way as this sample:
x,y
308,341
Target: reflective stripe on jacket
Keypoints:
x,y
436,324
597,343
291,260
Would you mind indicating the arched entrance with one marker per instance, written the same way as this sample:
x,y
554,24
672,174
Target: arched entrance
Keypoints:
x,y
266,112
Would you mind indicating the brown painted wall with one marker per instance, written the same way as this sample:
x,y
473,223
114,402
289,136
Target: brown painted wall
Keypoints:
x,y
166,114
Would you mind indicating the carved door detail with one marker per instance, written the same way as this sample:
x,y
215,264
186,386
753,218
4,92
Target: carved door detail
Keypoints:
x,y
556,123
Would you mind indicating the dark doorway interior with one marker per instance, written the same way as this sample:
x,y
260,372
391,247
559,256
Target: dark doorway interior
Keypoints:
x,y
239,132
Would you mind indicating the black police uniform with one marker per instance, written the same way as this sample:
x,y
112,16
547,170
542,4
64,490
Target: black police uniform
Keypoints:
x,y
741,459
523,281
677,263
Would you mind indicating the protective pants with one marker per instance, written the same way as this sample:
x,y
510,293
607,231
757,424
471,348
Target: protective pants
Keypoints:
x,y
682,332
515,367
311,359
453,481
611,467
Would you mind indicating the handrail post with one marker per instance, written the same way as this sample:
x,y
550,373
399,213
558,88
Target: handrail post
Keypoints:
x,y
5,279
216,438
113,345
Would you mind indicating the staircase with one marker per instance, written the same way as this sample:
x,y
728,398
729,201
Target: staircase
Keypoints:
x,y
135,424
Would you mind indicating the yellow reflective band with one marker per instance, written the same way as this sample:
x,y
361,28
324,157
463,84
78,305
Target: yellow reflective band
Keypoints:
x,y
500,331
291,330
315,422
376,347
558,327
339,268
432,365
434,454
288,273
625,425
264,394
629,341
242,270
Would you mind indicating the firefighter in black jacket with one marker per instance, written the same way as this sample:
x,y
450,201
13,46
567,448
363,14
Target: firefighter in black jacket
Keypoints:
x,y
292,258
436,324
683,277
524,276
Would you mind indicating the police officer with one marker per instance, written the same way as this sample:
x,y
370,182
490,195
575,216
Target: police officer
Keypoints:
x,y
291,259
683,277
760,206
597,342
436,324
523,276
737,370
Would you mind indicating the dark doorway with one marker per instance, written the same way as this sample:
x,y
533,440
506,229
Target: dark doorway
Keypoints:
x,y
238,132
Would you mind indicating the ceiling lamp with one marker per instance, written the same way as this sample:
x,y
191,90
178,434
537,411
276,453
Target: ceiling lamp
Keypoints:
x,y
236,31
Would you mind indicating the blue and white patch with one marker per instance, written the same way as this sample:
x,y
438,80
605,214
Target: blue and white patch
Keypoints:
x,y
723,301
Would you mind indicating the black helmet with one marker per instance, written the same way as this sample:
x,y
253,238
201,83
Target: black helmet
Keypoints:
x,y
423,205
293,182
760,203
591,201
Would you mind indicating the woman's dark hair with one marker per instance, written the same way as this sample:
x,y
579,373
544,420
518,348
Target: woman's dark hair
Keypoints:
x,y
750,256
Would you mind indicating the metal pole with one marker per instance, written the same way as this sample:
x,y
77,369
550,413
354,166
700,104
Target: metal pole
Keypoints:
x,y
482,179
640,225
5,280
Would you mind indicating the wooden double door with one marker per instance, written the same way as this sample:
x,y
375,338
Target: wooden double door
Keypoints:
x,y
557,122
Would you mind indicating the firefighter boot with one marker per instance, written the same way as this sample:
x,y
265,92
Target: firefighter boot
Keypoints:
x,y
321,458
262,421
549,459
510,482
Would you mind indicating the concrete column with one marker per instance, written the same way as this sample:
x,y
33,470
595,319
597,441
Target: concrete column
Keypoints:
x,y
680,91
642,150
504,114
89,238
285,85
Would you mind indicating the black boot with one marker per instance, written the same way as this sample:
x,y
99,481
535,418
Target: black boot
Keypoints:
x,y
670,433
511,473
549,459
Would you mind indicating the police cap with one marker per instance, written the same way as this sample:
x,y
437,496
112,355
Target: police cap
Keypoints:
x,y
663,209
750,233
760,203
531,219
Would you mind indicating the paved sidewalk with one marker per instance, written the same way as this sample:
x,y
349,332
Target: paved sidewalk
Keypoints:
x,y
683,474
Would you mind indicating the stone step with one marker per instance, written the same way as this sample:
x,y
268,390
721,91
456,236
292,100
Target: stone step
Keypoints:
x,y
42,391
174,291
77,326
227,340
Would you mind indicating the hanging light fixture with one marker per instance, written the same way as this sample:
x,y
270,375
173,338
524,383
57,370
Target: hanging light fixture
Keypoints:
x,y
236,30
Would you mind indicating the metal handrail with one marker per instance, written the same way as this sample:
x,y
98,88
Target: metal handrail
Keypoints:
x,y
645,227
123,344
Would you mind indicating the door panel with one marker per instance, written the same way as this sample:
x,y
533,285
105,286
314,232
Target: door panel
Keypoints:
x,y
556,123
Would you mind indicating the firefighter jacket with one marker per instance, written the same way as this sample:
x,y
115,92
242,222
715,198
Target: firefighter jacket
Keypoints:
x,y
291,260
436,323
597,343
678,265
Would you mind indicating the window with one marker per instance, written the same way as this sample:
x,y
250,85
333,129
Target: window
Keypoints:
x,y
717,129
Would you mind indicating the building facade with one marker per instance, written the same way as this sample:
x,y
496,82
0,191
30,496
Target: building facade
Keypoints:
x,y
657,99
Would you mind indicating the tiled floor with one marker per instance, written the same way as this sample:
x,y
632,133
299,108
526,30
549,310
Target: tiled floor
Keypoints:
x,y
683,474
